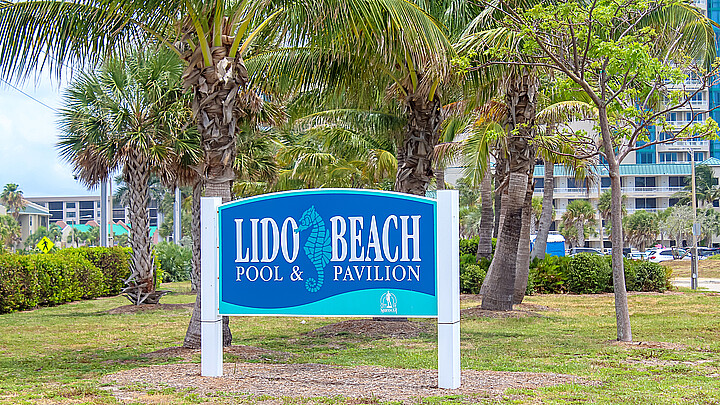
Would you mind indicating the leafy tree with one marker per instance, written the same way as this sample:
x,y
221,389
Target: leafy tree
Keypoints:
x,y
619,55
677,223
9,231
641,228
12,199
53,232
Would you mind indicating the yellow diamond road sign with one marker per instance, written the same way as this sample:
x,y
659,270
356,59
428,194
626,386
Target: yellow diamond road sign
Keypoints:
x,y
45,244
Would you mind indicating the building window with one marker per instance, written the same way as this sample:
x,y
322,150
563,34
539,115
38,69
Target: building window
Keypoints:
x,y
672,117
70,214
87,205
572,183
605,182
55,206
30,220
539,183
699,156
645,203
644,182
672,202
86,215
676,181
668,157
70,205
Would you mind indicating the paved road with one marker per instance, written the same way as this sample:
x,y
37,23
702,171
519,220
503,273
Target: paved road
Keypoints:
x,y
710,284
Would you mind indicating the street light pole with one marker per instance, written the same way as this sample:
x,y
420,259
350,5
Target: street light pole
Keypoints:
x,y
695,231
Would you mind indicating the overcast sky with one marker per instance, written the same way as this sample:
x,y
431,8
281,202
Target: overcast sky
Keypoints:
x,y
28,134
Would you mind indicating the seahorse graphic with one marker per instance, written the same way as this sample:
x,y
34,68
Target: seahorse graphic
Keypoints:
x,y
317,247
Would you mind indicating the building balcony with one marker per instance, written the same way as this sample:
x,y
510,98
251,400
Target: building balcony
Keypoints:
x,y
683,146
561,192
651,191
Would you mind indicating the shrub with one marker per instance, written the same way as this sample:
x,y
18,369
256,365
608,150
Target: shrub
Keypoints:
x,y
175,261
469,246
27,281
646,276
472,276
113,262
547,276
588,274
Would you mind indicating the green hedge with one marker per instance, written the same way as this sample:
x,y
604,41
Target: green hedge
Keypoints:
x,y
27,281
587,274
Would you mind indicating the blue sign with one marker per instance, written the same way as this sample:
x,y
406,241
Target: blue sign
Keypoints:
x,y
329,252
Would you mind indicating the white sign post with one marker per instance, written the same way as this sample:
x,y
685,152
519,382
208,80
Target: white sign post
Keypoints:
x,y
448,294
211,348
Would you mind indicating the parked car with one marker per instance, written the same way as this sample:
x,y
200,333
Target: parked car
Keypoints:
x,y
665,254
638,255
707,251
577,250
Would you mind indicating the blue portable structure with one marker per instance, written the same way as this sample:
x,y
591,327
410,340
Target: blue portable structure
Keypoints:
x,y
555,244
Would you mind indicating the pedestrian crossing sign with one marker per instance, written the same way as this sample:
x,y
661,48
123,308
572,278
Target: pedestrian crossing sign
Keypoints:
x,y
45,244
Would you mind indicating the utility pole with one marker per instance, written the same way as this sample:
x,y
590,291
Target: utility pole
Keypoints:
x,y
695,227
177,221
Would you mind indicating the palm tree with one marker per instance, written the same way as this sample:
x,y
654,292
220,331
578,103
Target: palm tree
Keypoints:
x,y
12,199
706,187
215,38
126,115
641,228
578,215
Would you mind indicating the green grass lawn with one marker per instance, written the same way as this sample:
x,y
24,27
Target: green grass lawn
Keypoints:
x,y
57,355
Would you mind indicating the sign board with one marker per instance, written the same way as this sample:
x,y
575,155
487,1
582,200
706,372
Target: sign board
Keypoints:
x,y
45,244
332,252
326,252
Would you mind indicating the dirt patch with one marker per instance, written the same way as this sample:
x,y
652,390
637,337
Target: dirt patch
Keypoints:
x,y
649,345
520,311
375,329
243,352
373,384
131,309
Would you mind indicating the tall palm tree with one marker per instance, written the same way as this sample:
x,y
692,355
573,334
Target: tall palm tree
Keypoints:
x,y
125,115
12,199
578,215
215,37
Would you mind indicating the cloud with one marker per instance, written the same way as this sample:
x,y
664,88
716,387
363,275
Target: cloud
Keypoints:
x,y
28,134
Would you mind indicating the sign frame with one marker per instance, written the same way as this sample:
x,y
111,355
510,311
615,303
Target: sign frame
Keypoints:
x,y
447,283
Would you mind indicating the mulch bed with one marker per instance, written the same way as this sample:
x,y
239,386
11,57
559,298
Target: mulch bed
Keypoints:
x,y
131,309
365,384
375,329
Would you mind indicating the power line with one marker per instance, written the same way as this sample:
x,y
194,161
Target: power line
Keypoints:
x,y
28,96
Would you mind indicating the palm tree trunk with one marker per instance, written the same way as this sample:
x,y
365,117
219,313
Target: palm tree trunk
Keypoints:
x,y
440,177
546,214
137,174
522,267
196,241
415,169
219,100
580,229
484,248
500,287
521,100
500,178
